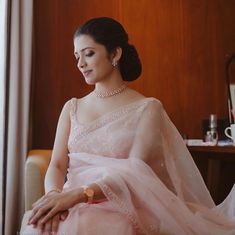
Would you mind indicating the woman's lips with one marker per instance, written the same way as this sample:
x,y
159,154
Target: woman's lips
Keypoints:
x,y
86,73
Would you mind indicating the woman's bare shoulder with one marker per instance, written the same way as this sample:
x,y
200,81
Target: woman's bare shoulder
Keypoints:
x,y
153,103
136,94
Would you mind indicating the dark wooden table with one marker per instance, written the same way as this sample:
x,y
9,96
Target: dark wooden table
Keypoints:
x,y
217,166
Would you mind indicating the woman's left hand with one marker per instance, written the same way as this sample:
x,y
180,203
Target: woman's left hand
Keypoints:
x,y
49,205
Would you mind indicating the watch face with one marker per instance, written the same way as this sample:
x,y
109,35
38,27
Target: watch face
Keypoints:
x,y
89,192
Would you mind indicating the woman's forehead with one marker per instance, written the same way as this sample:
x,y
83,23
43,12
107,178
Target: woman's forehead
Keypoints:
x,y
84,41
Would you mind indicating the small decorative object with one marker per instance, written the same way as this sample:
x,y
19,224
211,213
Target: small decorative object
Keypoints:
x,y
232,135
211,137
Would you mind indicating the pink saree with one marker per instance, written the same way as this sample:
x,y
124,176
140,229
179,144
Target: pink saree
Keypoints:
x,y
138,158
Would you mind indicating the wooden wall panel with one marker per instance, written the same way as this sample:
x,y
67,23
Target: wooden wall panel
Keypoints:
x,y
182,45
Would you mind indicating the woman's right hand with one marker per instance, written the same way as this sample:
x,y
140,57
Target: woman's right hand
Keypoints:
x,y
51,204
52,225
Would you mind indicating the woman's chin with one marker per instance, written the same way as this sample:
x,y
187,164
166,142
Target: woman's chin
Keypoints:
x,y
90,81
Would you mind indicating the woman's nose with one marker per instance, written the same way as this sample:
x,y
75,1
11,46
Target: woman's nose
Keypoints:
x,y
81,63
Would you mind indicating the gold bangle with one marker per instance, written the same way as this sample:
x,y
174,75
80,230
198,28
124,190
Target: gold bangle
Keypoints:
x,y
54,190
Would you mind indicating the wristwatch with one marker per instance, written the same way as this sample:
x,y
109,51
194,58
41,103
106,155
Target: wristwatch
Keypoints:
x,y
89,192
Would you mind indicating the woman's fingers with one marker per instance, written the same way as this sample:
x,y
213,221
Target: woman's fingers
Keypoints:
x,y
64,215
38,212
40,204
39,226
50,205
55,223
50,214
33,212
47,228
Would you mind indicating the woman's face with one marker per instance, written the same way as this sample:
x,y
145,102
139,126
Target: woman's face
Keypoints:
x,y
92,59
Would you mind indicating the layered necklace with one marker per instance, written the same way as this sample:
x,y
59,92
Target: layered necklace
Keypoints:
x,y
114,92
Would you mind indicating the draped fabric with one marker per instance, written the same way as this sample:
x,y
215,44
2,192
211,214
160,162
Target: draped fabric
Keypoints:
x,y
139,160
17,109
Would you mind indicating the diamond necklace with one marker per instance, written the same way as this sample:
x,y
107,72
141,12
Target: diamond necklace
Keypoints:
x,y
107,94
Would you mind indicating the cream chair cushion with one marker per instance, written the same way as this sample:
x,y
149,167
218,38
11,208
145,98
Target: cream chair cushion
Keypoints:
x,y
35,169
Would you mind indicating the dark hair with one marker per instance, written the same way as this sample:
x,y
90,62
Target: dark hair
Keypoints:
x,y
112,35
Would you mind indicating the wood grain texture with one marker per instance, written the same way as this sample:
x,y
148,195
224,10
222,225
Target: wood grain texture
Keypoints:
x,y
216,165
182,44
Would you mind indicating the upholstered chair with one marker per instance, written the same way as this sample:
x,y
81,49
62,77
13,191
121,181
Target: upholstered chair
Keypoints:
x,y
35,169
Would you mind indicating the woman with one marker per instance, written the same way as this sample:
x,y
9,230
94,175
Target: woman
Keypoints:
x,y
129,171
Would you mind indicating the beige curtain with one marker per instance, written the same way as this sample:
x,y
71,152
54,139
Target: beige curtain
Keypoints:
x,y
3,26
18,105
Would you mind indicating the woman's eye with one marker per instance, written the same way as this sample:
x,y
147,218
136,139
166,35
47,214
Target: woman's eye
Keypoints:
x,y
89,54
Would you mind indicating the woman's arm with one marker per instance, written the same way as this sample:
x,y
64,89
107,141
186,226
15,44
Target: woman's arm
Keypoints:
x,y
54,202
55,175
58,166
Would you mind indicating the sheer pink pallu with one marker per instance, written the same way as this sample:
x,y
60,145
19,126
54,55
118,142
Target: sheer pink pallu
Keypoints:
x,y
137,157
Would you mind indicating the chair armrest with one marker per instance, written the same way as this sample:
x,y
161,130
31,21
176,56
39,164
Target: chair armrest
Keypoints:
x,y
35,169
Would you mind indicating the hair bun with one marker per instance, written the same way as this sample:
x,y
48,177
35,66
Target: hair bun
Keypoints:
x,y
130,64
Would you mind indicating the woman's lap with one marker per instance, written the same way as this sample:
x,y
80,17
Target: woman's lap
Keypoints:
x,y
90,220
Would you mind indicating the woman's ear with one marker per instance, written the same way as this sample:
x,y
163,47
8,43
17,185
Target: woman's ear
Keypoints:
x,y
116,55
